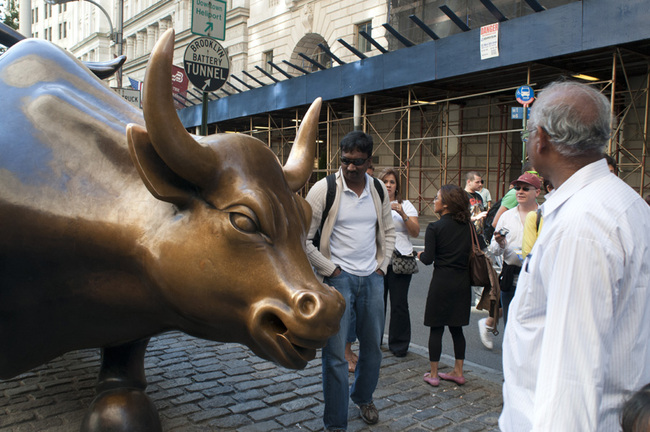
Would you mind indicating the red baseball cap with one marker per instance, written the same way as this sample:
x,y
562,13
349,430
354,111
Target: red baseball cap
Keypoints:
x,y
530,179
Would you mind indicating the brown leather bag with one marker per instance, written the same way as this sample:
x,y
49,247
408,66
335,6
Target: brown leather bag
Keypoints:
x,y
482,273
479,263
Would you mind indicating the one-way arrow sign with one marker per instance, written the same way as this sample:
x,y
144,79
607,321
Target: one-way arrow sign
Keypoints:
x,y
209,18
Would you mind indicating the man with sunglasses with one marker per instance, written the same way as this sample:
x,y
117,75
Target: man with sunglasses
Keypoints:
x,y
509,235
576,345
356,243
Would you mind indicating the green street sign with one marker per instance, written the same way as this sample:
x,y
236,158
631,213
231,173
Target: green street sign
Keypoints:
x,y
209,18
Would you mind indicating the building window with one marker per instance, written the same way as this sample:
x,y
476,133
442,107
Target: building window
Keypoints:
x,y
65,29
45,34
60,31
267,56
36,15
362,43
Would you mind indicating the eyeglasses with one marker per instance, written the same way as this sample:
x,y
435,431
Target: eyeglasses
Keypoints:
x,y
524,188
525,135
355,162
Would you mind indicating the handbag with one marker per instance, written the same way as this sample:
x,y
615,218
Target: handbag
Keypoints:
x,y
404,264
482,273
479,263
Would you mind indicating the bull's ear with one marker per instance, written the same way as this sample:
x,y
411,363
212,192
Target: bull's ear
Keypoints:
x,y
161,181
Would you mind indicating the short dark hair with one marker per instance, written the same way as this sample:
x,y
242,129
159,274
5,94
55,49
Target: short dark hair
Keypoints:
x,y
357,140
457,202
470,175
635,414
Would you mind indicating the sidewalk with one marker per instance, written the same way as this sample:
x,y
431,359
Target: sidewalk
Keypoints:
x,y
199,385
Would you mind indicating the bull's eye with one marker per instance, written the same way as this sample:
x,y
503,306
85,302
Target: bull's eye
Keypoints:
x,y
243,223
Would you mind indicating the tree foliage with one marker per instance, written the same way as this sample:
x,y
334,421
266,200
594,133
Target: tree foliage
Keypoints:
x,y
11,14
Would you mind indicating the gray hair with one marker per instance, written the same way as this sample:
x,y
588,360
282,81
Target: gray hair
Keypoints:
x,y
576,117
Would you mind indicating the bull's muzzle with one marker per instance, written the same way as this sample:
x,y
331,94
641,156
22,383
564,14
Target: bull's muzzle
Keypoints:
x,y
289,333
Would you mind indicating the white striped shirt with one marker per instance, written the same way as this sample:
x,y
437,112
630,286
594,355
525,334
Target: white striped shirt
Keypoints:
x,y
577,342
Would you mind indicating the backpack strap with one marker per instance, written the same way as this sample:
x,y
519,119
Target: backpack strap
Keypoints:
x,y
380,190
539,218
329,200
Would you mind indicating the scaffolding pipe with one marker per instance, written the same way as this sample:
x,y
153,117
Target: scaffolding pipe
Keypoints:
x,y
644,146
446,145
408,150
487,144
611,103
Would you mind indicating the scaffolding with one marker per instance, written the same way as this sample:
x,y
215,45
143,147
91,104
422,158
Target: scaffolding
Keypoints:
x,y
435,141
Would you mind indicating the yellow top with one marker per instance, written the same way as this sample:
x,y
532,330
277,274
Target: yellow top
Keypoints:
x,y
530,233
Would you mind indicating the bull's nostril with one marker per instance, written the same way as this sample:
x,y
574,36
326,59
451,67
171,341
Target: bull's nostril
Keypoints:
x,y
274,323
307,304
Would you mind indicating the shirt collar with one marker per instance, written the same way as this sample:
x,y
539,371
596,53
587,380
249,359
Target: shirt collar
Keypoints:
x,y
581,178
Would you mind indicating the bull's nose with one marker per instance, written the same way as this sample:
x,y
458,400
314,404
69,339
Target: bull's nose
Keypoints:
x,y
307,304
326,303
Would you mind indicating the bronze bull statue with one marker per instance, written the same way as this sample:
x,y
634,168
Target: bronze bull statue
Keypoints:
x,y
115,228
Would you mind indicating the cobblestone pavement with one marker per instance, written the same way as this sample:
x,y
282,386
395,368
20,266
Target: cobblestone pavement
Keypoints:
x,y
199,385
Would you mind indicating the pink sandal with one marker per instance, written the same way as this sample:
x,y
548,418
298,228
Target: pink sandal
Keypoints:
x,y
431,381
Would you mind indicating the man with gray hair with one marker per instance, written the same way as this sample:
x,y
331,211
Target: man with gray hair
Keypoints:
x,y
577,340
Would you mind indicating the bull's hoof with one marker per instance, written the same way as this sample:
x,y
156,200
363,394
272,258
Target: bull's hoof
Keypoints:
x,y
121,410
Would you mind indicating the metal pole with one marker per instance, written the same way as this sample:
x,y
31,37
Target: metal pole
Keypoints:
x,y
119,39
204,115
25,18
357,112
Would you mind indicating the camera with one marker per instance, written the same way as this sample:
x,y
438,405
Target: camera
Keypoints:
x,y
503,231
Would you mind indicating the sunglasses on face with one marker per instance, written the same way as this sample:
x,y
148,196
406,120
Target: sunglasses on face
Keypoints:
x,y
524,188
355,162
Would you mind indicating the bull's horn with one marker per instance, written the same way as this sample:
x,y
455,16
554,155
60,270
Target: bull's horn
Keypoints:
x,y
174,144
300,163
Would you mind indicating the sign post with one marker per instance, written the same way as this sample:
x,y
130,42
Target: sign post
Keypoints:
x,y
207,67
525,96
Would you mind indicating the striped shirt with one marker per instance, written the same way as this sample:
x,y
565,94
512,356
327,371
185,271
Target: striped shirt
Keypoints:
x,y
578,337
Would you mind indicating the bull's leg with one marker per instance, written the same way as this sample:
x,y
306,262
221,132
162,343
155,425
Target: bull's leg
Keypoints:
x,y
121,403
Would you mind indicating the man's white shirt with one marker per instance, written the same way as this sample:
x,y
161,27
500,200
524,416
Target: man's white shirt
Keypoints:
x,y
577,342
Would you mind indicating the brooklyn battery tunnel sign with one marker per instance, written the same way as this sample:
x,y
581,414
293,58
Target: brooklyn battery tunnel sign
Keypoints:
x,y
206,64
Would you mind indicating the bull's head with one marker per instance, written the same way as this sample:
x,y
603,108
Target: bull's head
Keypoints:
x,y
230,263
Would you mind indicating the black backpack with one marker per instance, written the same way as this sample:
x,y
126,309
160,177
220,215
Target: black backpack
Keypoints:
x,y
329,200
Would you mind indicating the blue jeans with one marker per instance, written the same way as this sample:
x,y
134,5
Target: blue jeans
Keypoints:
x,y
364,295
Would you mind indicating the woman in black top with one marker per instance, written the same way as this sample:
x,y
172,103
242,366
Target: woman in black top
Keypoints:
x,y
447,242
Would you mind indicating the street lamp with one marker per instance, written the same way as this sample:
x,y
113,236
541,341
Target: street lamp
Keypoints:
x,y
115,36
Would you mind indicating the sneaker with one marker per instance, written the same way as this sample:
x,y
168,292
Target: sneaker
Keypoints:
x,y
484,333
369,413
